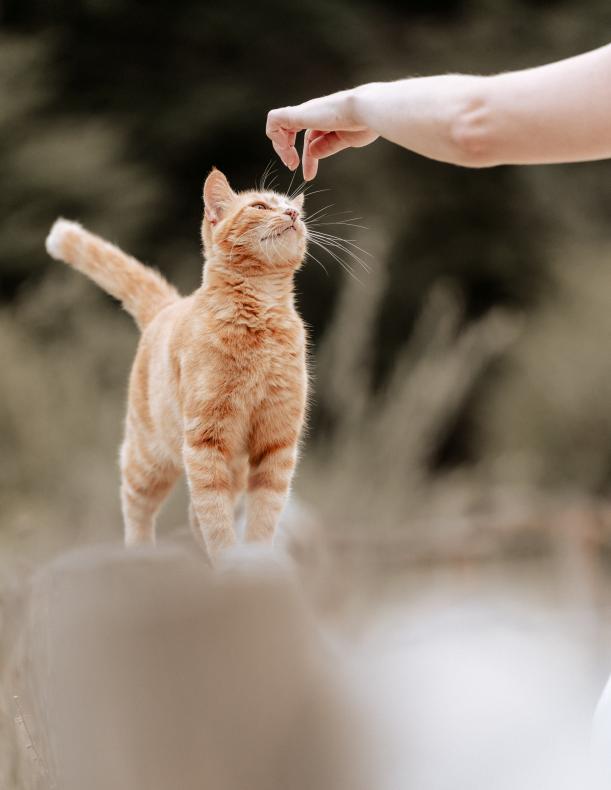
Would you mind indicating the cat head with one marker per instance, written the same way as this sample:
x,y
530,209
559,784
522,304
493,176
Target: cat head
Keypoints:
x,y
250,230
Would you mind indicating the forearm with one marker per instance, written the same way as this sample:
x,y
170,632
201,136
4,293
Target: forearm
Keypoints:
x,y
555,113
423,114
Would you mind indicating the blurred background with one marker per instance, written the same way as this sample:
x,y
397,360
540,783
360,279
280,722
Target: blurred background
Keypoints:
x,y
461,414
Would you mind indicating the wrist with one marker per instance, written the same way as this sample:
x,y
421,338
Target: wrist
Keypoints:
x,y
360,101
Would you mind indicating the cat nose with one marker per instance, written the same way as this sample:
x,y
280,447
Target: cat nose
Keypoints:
x,y
293,213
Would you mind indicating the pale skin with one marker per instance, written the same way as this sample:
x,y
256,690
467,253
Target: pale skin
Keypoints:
x,y
560,112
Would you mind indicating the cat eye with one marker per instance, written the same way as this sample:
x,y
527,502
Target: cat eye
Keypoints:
x,y
259,205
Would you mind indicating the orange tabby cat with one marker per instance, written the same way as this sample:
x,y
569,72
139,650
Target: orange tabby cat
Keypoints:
x,y
218,385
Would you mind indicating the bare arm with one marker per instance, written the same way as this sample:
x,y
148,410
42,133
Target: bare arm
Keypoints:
x,y
560,112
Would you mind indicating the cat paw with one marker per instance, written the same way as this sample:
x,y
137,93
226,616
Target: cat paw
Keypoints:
x,y
254,557
217,550
57,236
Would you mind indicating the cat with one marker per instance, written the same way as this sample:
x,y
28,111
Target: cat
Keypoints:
x,y
219,383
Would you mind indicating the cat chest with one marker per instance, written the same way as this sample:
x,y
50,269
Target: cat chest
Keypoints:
x,y
241,370
253,375
268,366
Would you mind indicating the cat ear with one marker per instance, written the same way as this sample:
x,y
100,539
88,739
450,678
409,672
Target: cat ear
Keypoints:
x,y
298,201
218,195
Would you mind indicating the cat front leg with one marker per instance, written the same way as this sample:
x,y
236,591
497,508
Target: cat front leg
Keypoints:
x,y
210,479
269,483
272,456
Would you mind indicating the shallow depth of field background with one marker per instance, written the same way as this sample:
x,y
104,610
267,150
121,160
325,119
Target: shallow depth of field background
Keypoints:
x,y
459,455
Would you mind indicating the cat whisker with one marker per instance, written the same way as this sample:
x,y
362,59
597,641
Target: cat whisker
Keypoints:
x,y
274,242
314,258
269,168
346,245
288,189
261,181
307,193
365,266
337,213
339,260
302,189
319,218
330,243
341,240
347,224
298,190
352,222
336,216
319,211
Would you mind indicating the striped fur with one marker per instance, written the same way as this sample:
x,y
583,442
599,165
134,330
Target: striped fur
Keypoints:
x,y
218,385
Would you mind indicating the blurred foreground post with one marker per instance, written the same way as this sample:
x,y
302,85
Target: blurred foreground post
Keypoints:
x,y
146,671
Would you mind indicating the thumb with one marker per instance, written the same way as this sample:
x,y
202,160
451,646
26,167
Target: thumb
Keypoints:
x,y
327,144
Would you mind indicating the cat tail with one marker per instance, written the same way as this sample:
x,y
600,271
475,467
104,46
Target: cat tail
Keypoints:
x,y
142,290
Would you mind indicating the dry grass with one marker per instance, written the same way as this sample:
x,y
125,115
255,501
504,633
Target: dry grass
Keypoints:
x,y
375,503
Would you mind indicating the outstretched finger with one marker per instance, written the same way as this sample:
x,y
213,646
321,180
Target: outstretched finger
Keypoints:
x,y
309,162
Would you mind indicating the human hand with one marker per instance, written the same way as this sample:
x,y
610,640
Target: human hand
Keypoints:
x,y
331,125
